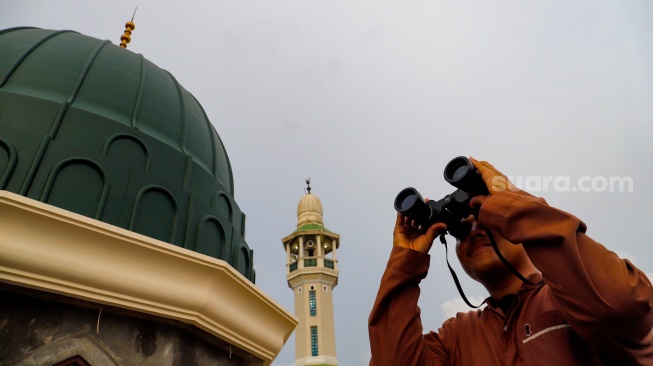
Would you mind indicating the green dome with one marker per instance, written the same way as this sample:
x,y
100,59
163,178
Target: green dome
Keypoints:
x,y
99,130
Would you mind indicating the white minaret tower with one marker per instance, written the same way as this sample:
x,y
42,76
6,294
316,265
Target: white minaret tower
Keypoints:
x,y
312,273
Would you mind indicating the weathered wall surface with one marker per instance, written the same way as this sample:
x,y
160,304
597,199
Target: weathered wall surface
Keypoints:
x,y
41,330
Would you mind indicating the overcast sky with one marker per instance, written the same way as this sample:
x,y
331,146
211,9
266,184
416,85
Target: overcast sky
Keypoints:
x,y
367,98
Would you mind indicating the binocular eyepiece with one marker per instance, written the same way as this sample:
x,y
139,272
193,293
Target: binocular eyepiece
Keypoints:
x,y
460,173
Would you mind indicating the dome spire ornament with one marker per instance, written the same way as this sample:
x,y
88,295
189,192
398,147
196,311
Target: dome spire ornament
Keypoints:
x,y
308,185
129,27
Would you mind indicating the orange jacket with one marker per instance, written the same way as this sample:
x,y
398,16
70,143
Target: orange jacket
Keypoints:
x,y
594,308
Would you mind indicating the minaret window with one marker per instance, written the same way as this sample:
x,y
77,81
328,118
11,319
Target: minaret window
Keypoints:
x,y
312,303
314,341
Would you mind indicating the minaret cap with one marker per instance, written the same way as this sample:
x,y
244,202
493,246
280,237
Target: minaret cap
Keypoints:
x,y
309,209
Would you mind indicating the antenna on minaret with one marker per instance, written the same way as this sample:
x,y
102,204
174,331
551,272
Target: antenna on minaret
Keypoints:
x,y
308,185
129,27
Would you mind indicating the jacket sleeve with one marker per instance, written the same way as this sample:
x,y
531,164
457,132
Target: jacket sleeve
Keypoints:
x,y
395,327
605,299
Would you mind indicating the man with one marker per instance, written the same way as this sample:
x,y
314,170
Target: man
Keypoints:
x,y
592,308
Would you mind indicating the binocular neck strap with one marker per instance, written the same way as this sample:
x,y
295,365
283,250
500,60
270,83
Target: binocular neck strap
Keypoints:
x,y
503,260
453,273
507,264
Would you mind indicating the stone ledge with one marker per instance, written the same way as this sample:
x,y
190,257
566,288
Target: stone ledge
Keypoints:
x,y
50,249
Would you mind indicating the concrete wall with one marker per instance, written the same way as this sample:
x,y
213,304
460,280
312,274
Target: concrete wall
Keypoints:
x,y
38,328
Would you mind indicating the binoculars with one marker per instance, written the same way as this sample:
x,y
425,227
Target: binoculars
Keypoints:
x,y
461,173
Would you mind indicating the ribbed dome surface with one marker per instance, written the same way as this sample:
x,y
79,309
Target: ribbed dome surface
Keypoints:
x,y
309,211
99,130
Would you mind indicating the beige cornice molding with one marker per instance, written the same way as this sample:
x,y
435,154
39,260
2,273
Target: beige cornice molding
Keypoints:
x,y
313,274
311,232
50,249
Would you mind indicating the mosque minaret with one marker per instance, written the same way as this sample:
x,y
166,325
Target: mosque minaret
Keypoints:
x,y
312,273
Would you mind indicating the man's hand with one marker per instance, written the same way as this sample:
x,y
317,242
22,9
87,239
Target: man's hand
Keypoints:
x,y
408,235
494,180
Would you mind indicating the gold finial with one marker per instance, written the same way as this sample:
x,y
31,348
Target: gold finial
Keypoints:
x,y
129,27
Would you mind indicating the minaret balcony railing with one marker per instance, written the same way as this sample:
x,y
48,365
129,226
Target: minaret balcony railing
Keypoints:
x,y
312,262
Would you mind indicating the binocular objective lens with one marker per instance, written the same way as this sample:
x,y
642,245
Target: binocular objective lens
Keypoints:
x,y
408,202
460,173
